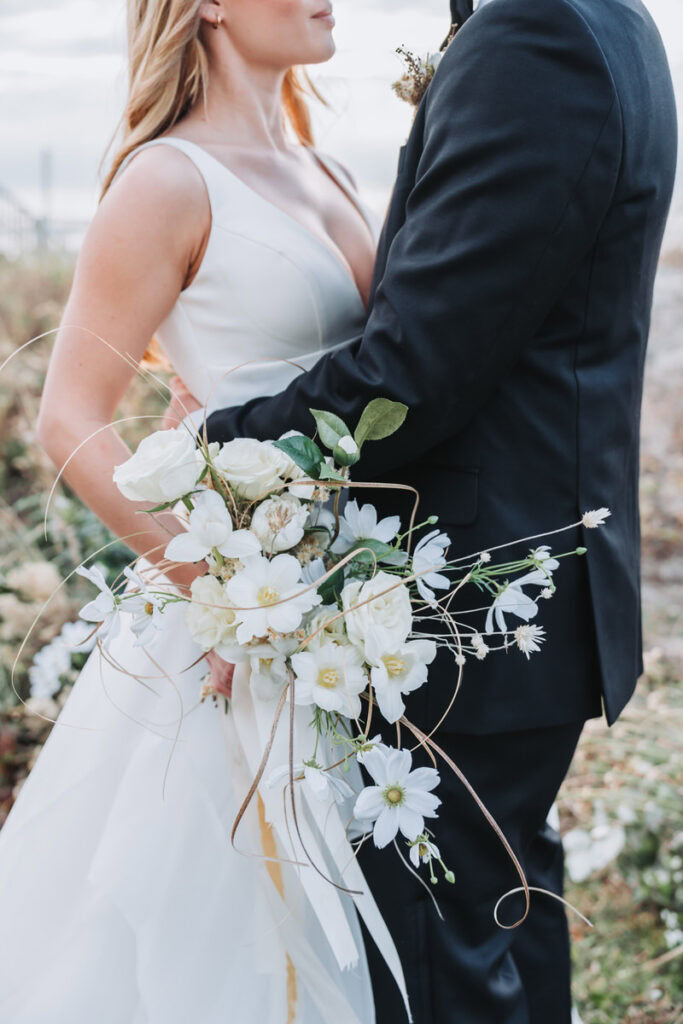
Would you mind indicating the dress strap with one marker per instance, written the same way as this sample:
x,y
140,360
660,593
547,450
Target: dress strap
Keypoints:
x,y
201,159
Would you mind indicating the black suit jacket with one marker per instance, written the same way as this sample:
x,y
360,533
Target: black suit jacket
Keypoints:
x,y
510,311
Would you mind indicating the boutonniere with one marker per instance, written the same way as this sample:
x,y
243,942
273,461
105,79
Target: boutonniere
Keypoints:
x,y
413,83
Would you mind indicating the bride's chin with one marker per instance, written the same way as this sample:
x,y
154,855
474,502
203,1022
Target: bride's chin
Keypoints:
x,y
323,50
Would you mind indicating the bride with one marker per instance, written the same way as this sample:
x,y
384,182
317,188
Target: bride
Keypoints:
x,y
227,236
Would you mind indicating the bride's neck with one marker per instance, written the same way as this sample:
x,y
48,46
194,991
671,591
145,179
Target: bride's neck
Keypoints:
x,y
243,104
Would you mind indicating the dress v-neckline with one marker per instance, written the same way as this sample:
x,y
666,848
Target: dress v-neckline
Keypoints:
x,y
333,250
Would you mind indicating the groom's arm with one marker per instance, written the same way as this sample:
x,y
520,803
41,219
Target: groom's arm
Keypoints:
x,y
521,154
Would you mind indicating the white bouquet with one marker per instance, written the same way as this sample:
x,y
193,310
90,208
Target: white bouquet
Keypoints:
x,y
328,605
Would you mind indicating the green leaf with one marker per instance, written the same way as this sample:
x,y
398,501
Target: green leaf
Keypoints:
x,y
330,589
380,418
304,452
330,473
330,427
377,546
165,505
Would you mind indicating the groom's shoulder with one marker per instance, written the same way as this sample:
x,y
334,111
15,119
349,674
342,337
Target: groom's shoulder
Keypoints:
x,y
516,36
518,23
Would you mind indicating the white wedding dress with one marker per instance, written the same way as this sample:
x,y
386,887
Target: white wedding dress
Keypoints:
x,y
122,900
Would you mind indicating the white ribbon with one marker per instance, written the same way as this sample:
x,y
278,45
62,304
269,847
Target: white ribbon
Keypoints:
x,y
250,726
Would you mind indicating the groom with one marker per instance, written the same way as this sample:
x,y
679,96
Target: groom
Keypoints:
x,y
510,312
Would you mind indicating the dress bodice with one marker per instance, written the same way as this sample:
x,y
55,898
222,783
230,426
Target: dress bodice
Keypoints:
x,y
267,289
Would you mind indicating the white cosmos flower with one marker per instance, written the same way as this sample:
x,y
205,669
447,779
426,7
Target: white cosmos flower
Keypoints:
x,y
267,595
164,467
319,782
529,639
397,671
596,517
105,609
210,526
279,522
332,677
361,524
145,608
392,610
513,600
375,743
430,552
400,799
424,851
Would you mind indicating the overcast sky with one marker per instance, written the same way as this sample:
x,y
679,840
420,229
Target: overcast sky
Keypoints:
x,y
62,86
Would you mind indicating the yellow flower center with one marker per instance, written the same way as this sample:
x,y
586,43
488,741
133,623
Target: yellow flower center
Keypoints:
x,y
394,795
328,677
395,666
149,608
267,595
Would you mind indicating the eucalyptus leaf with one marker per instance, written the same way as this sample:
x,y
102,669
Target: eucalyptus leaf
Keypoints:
x,y
330,427
304,452
331,588
378,547
330,473
380,418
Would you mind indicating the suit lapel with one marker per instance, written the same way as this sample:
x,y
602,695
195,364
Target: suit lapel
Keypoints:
x,y
408,157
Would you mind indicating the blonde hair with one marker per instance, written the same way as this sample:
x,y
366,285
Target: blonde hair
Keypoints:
x,y
168,72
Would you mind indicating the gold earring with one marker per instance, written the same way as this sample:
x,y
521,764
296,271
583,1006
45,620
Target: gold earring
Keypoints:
x,y
218,21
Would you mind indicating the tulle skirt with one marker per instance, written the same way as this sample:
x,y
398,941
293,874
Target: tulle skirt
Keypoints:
x,y
122,900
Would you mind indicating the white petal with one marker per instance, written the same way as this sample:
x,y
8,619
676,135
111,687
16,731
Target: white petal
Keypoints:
x,y
375,761
386,827
369,803
421,802
410,822
387,528
390,701
240,544
424,778
185,547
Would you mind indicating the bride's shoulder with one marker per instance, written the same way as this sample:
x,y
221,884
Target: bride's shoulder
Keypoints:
x,y
159,174
156,192
155,214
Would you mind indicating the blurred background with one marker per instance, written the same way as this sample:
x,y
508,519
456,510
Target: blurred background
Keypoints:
x,y
62,86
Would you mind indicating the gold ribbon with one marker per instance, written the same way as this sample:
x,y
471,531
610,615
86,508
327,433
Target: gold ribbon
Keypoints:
x,y
275,871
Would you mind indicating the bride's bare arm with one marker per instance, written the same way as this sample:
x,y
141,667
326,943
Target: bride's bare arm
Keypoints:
x,y
135,259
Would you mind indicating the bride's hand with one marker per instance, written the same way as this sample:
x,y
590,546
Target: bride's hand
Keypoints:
x,y
182,402
221,673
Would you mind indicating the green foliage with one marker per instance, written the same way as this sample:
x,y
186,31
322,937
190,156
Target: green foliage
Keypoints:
x,y
330,427
304,452
380,418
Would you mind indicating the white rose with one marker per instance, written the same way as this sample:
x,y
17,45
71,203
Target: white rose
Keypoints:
x,y
391,613
279,522
164,467
331,630
210,625
251,467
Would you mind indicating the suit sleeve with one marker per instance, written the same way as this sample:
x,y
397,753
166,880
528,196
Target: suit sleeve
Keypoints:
x,y
522,147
